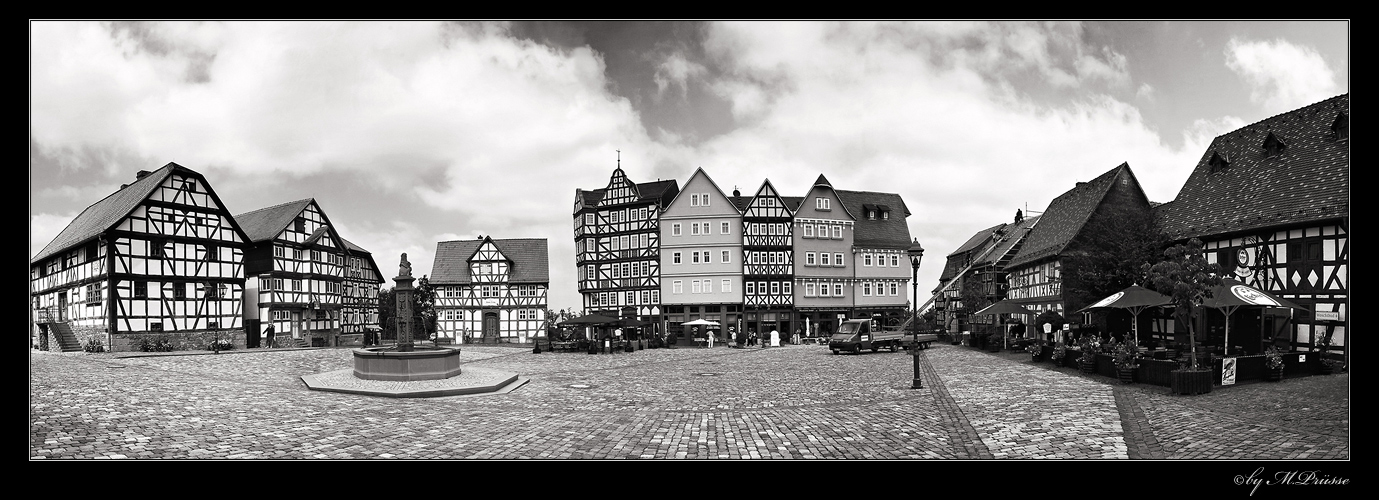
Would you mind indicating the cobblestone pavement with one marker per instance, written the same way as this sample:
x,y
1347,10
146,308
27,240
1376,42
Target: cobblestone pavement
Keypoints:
x,y
794,402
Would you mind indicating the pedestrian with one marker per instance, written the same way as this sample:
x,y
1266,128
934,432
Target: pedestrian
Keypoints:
x,y
740,339
795,339
268,336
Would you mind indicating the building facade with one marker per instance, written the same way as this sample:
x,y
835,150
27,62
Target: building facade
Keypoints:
x,y
701,256
879,255
359,306
768,257
296,274
491,291
1271,203
161,257
618,248
823,244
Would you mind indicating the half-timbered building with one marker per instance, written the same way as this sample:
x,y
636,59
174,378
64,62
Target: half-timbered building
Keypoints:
x,y
161,257
491,291
618,248
768,260
701,256
359,309
978,267
296,274
823,243
880,263
1036,274
1271,203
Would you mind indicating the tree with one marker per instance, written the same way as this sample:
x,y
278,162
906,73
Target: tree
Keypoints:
x,y
974,296
424,303
1109,255
387,311
1186,277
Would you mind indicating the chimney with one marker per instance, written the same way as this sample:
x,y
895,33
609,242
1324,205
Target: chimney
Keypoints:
x,y
141,174
1081,183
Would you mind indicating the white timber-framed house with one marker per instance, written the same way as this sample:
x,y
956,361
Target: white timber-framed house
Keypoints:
x,y
359,307
159,258
295,274
618,247
768,260
491,290
1271,204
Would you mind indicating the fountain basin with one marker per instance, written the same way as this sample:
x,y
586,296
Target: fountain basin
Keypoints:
x,y
421,363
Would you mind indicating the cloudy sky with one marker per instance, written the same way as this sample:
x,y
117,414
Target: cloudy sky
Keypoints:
x,y
410,133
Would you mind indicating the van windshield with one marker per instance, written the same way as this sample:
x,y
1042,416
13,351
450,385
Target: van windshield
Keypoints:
x,y
849,328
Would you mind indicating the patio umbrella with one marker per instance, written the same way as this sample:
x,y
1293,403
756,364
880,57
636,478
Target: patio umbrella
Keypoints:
x,y
1231,295
700,322
1003,307
1135,299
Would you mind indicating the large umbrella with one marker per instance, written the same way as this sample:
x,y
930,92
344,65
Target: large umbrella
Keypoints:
x,y
1003,307
1231,295
700,322
1135,299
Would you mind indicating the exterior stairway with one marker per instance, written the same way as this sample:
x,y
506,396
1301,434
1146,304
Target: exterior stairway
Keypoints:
x,y
66,341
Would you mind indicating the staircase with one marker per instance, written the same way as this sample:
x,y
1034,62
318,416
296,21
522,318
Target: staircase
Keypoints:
x,y
300,343
66,341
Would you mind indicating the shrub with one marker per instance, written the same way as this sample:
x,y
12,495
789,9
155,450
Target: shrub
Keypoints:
x,y
1125,355
223,344
1089,347
1273,359
159,343
93,345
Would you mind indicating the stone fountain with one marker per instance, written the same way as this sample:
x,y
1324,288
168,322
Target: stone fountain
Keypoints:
x,y
410,370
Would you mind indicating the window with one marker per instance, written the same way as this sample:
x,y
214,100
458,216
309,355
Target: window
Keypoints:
x,y
895,260
885,215
821,203
315,256
724,228
761,288
1340,129
212,291
866,259
677,287
630,296
646,268
785,287
93,251
725,256
1273,146
704,199
823,289
140,289
866,288
895,288
695,257
643,240
675,229
751,288
297,253
694,199
809,258
808,230
824,259
775,288
838,260
727,286
838,289
624,241
179,291
706,257
296,285
156,326
93,293
624,270
871,215
708,286
809,289
299,225
694,228
675,257
838,232
589,219
158,249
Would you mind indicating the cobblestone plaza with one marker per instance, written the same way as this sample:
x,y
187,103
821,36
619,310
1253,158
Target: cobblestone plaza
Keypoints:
x,y
793,402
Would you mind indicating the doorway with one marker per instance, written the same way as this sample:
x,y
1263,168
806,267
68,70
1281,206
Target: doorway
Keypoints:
x,y
490,328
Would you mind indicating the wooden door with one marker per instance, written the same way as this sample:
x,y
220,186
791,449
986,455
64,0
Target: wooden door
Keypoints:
x,y
490,327
62,306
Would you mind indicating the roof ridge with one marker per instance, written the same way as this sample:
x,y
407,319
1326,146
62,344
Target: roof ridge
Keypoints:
x,y
1279,115
280,205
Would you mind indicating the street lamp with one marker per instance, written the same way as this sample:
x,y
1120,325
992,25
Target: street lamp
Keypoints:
x,y
916,253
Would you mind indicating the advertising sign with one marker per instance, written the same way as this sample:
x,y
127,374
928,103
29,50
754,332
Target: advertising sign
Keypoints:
x,y
1228,371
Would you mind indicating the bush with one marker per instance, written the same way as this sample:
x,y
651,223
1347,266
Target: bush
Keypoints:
x,y
1125,355
224,345
1273,359
93,345
159,343
1089,347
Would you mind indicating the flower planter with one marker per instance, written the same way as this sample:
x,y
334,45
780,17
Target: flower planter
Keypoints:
x,y
1191,382
1086,366
1325,368
1126,375
1273,374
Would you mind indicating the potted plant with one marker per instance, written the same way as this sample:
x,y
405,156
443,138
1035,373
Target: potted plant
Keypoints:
x,y
1186,277
1127,359
1034,350
1089,346
1059,352
993,341
1273,364
1326,366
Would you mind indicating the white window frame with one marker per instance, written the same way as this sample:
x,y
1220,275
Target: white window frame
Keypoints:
x,y
808,230
838,260
751,288
677,287
696,287
727,286
809,259
727,256
809,289
675,229
786,287
824,259
725,227
822,203
676,259
838,232
823,289
838,289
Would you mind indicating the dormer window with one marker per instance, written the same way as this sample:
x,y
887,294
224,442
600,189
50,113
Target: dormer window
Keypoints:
x,y
871,215
1218,162
1273,146
1340,129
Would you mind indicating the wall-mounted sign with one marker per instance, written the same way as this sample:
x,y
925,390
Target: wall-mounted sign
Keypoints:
x,y
490,302
1328,315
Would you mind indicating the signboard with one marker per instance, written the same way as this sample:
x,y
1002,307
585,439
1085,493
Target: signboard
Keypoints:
x,y
490,302
1228,371
1328,315
1048,327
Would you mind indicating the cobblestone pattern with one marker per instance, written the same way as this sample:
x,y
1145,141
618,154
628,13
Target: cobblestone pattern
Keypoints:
x,y
1140,440
967,442
796,402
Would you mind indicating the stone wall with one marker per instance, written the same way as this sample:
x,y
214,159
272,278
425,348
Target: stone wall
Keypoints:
x,y
190,340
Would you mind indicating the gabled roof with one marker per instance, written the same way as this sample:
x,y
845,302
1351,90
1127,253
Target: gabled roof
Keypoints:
x,y
264,224
530,261
1014,234
698,172
360,252
102,215
646,191
1309,181
1065,217
792,202
891,232
961,257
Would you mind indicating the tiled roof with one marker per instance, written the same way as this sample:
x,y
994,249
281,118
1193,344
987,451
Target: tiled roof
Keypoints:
x,y
1015,233
265,223
104,214
977,240
1065,217
646,191
792,202
530,261
891,232
1309,181
360,252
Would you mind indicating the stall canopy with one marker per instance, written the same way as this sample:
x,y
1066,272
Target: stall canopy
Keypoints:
x,y
1231,295
1003,307
1135,299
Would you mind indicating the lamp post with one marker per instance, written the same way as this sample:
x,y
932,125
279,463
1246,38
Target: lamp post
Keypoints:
x,y
916,253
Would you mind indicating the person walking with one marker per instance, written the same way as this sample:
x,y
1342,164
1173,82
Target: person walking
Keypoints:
x,y
268,337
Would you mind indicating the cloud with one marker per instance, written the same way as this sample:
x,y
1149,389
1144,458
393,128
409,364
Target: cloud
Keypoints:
x,y
1281,75
44,227
1145,92
675,71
